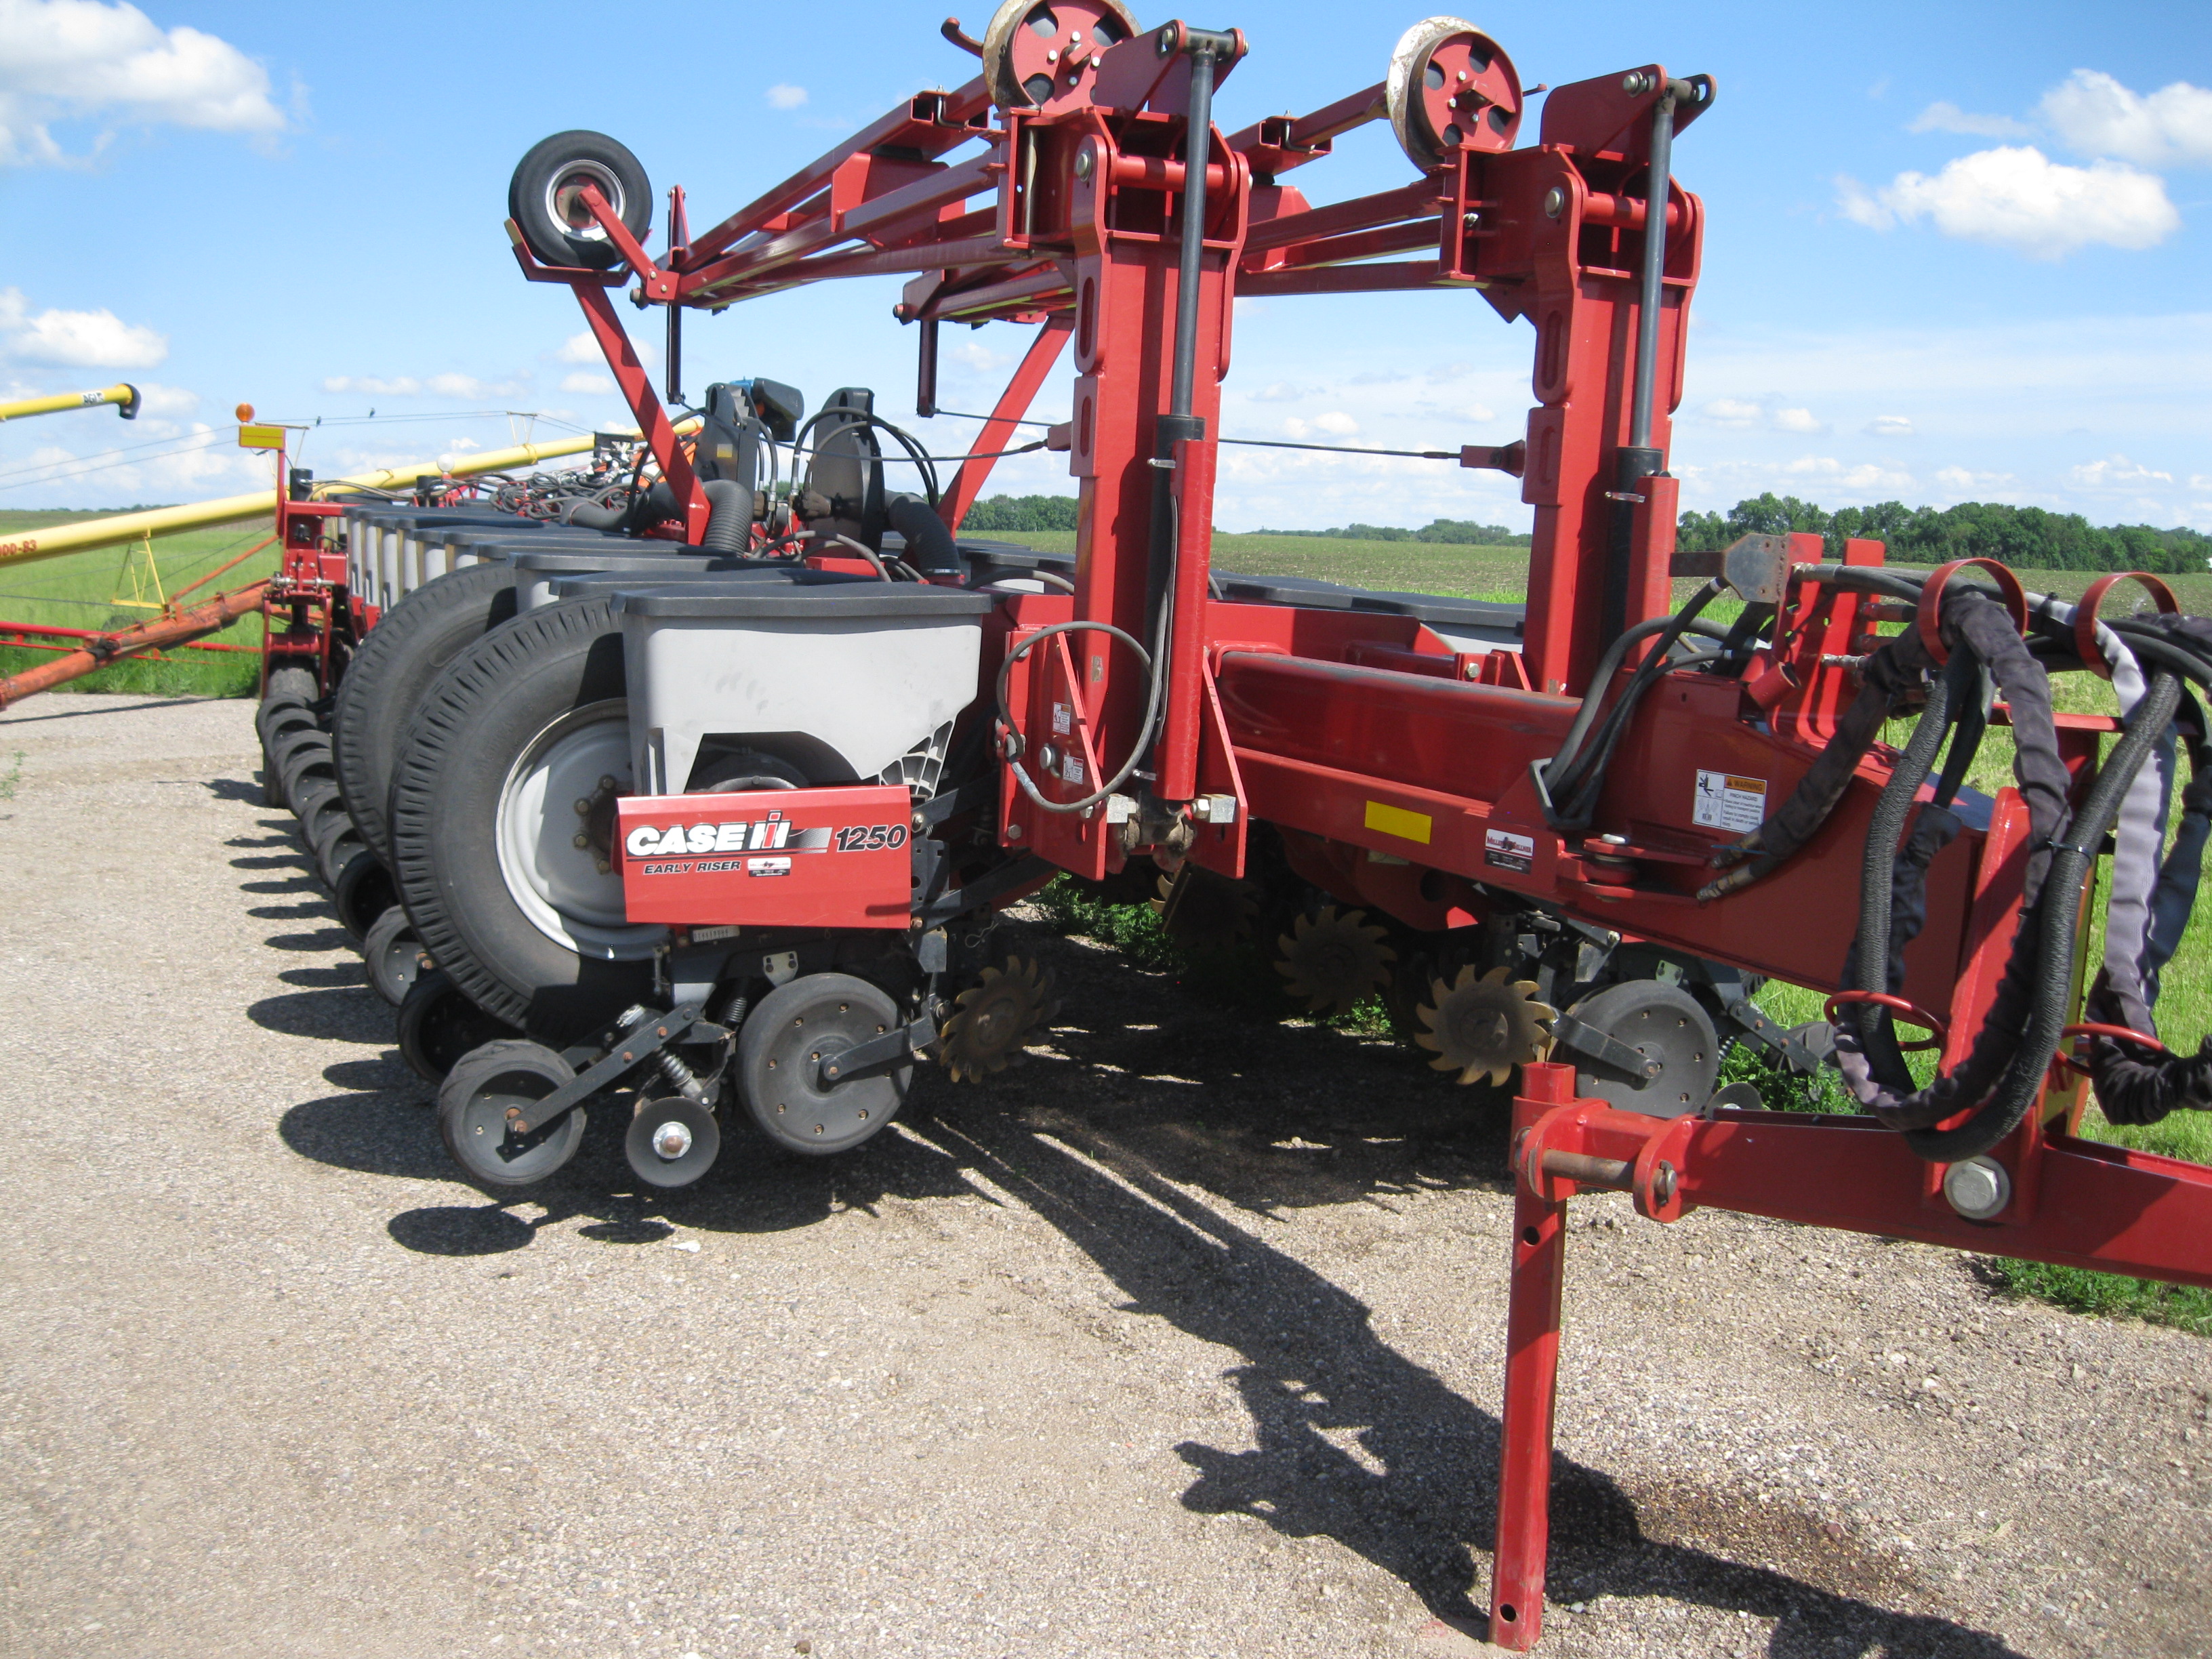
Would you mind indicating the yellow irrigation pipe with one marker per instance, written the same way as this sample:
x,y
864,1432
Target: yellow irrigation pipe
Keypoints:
x,y
91,533
122,393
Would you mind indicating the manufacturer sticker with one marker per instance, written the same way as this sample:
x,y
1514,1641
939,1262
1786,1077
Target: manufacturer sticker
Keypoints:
x,y
1726,801
1063,719
1508,851
768,866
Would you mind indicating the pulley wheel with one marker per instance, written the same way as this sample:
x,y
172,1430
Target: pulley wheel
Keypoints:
x,y
484,1113
392,955
780,1049
1043,54
1662,1023
672,1141
1450,86
438,1025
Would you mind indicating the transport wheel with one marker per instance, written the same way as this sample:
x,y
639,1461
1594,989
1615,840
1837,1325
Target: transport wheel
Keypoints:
x,y
404,653
1035,52
438,1026
543,199
521,726
392,955
1482,1026
1664,1024
1451,84
483,1113
1332,961
672,1141
993,1018
780,1049
362,892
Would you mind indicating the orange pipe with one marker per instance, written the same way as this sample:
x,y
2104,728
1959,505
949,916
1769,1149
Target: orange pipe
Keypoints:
x,y
215,615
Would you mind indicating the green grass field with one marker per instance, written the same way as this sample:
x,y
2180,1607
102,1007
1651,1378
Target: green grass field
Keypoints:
x,y
92,591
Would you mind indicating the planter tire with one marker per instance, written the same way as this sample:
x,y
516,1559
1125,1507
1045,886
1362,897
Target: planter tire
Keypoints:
x,y
521,726
403,655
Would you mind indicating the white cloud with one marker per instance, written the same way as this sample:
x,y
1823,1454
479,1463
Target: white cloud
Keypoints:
x,y
587,385
1282,391
1742,414
783,96
1734,412
1960,478
2098,116
80,58
974,354
2017,197
1941,117
404,385
1890,426
2200,481
1862,479
76,339
2116,472
1336,423
1798,420
154,400
582,348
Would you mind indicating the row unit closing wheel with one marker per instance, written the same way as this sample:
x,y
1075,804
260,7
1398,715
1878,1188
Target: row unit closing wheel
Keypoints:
x,y
784,1045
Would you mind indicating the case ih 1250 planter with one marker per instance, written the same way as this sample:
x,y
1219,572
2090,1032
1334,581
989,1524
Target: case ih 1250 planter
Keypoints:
x,y
728,828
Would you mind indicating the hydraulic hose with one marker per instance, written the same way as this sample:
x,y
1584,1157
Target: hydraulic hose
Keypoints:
x,y
1565,770
2058,911
730,517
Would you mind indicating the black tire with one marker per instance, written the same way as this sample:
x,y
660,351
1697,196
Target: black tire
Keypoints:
x,y
291,684
361,893
575,157
473,1103
437,1025
295,748
324,824
337,849
552,677
404,653
392,955
308,799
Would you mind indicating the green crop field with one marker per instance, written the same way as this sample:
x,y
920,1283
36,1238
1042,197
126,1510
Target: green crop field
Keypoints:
x,y
93,591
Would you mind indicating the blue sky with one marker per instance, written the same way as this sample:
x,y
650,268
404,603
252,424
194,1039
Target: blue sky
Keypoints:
x,y
1956,251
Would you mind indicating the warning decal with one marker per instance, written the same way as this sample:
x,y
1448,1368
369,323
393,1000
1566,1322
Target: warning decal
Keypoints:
x,y
1725,801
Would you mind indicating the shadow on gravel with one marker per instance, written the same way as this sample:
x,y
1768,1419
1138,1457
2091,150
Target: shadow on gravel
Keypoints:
x,y
235,789
1148,1100
95,705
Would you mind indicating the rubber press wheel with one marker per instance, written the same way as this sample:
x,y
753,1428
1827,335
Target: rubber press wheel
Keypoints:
x,y
437,1025
521,728
780,1049
404,653
486,1097
543,201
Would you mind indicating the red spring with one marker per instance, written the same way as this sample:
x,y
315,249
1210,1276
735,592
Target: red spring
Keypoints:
x,y
1897,1005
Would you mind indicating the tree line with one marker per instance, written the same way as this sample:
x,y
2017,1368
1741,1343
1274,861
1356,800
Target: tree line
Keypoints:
x,y
2029,537
1002,514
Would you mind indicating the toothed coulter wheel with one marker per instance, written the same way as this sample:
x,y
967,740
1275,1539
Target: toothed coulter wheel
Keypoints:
x,y
1332,962
993,1019
1484,1026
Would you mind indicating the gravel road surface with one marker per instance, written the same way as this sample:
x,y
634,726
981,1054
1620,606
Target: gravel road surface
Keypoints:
x,y
1184,1339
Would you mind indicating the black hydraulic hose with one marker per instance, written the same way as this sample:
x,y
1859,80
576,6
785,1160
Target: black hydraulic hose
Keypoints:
x,y
1878,869
1145,660
1574,786
1862,579
1583,805
905,440
1970,723
1562,770
2058,908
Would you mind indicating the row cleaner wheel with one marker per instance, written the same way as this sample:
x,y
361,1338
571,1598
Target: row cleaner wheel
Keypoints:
x,y
993,1018
1335,961
1482,1027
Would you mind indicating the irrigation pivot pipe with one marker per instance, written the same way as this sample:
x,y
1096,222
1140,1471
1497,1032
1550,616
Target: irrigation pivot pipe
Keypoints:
x,y
123,395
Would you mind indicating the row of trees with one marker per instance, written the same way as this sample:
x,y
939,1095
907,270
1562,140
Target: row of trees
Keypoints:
x,y
2028,536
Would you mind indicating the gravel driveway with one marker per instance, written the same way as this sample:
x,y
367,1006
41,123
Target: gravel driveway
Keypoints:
x,y
1186,1339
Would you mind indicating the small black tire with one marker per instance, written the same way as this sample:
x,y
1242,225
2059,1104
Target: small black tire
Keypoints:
x,y
550,684
437,1025
308,801
293,748
392,955
485,1085
324,824
403,655
362,892
291,684
337,849
308,767
560,163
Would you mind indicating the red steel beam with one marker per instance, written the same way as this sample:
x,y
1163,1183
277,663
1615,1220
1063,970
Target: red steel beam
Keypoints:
x,y
1013,403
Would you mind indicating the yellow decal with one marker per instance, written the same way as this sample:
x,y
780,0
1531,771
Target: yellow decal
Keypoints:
x,y
1397,821
261,437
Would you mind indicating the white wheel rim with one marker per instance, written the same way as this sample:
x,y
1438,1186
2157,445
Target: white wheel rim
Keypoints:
x,y
555,883
573,176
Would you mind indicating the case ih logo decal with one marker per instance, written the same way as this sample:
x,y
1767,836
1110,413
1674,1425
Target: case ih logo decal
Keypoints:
x,y
748,858
774,833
